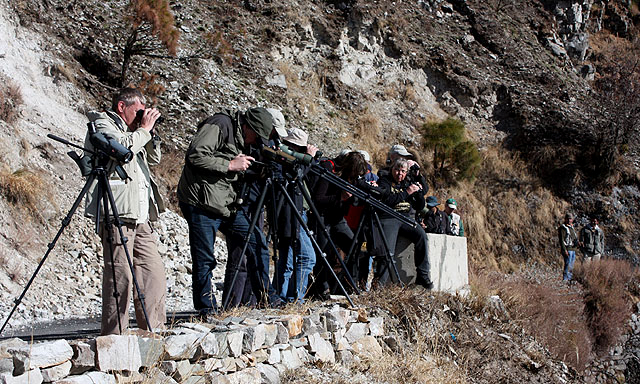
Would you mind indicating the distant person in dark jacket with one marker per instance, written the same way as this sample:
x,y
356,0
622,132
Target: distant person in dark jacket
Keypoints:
x,y
568,245
435,220
592,240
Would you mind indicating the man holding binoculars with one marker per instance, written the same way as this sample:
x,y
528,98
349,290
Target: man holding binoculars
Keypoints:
x,y
137,202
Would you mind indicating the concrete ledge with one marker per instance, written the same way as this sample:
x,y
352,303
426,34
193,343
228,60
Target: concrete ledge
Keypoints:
x,y
448,258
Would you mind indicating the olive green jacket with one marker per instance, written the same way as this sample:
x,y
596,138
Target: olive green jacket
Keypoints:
x,y
206,181
126,193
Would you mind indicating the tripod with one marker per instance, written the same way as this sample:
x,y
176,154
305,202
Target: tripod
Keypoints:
x,y
277,181
100,174
370,218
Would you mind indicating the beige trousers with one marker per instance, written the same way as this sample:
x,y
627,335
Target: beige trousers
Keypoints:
x,y
149,271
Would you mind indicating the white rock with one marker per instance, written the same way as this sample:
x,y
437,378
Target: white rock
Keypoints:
x,y
376,326
246,376
356,332
321,348
56,372
181,346
30,377
118,353
89,378
41,355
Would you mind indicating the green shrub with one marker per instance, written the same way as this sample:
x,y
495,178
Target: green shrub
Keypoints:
x,y
454,157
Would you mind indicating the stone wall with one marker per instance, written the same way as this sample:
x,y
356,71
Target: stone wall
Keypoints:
x,y
256,348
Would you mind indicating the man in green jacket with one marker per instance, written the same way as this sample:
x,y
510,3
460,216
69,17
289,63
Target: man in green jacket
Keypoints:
x,y
592,240
214,161
137,202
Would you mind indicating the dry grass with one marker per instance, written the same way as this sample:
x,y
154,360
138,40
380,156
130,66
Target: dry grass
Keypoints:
x,y
608,307
575,323
10,100
427,355
303,88
509,218
26,190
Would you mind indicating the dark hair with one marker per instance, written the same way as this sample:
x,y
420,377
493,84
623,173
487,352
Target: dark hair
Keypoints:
x,y
128,95
351,166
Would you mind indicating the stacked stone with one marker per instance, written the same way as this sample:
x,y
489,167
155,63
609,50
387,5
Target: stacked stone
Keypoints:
x,y
257,348
623,362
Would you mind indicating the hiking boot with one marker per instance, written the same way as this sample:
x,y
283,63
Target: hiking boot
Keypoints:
x,y
424,282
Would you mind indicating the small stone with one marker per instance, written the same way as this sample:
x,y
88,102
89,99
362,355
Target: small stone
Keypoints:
x,y
56,372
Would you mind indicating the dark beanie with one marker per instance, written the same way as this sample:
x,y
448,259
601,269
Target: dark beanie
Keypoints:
x,y
260,121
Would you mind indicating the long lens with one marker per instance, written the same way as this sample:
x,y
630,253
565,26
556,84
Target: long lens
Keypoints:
x,y
111,147
303,158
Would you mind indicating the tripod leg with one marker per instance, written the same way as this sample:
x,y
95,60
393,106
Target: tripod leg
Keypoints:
x,y
107,230
355,244
247,237
317,216
317,246
389,254
50,246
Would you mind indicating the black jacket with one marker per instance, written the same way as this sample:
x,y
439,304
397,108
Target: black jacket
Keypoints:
x,y
396,196
437,222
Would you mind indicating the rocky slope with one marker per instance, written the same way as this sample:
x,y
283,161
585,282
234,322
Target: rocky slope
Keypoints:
x,y
359,74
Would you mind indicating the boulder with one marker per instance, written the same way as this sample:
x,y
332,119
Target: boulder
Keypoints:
x,y
40,355
89,378
293,324
184,346
246,376
321,348
368,345
29,377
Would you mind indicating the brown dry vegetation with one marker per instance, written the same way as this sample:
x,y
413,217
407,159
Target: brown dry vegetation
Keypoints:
x,y
26,190
607,285
10,100
576,323
168,174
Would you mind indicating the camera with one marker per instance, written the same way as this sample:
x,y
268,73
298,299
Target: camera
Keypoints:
x,y
414,173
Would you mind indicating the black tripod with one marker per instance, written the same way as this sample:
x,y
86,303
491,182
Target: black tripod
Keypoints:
x,y
369,218
275,180
100,174
372,207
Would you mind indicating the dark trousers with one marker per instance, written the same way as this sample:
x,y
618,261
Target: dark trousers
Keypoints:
x,y
203,226
392,229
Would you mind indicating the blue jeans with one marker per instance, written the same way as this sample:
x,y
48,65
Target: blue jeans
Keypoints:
x,y
203,226
305,261
568,265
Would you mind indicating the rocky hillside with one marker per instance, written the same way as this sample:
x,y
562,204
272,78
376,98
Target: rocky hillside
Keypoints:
x,y
521,75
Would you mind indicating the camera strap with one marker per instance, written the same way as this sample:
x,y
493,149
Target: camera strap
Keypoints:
x,y
117,120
